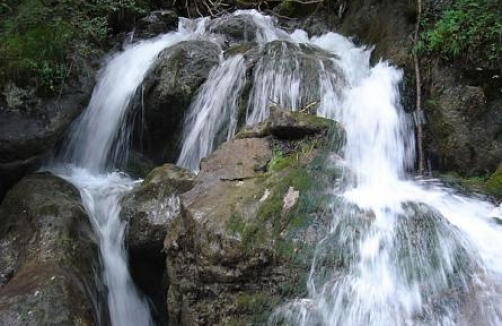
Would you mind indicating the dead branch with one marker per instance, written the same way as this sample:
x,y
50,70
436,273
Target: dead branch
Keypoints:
x,y
418,84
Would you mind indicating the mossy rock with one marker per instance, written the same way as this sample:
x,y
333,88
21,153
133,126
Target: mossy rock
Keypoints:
x,y
283,124
167,92
305,63
494,183
246,236
48,257
151,206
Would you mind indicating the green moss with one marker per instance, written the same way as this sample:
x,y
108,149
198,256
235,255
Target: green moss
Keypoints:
x,y
251,233
467,184
258,305
494,183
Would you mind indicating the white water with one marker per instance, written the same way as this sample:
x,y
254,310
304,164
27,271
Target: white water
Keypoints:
x,y
376,287
212,117
100,139
422,254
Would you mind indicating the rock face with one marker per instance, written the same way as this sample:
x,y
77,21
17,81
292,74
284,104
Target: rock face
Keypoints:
x,y
298,67
48,257
168,91
150,207
30,127
237,29
289,125
465,124
243,240
461,97
157,22
149,210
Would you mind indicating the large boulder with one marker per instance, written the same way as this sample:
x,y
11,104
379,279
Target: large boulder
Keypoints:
x,y
149,209
246,232
464,124
284,124
167,93
48,257
31,126
235,28
298,69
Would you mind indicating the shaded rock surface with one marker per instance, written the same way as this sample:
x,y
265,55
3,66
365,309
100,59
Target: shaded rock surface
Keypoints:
x,y
464,123
149,210
150,207
31,126
155,23
48,257
289,125
167,93
236,29
245,235
298,67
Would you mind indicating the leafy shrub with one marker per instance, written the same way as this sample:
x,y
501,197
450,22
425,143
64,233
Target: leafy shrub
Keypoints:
x,y
468,25
43,41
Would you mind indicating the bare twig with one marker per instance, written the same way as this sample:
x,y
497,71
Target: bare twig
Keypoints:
x,y
418,84
308,106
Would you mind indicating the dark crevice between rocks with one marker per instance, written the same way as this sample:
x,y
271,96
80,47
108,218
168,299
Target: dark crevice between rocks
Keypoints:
x,y
148,270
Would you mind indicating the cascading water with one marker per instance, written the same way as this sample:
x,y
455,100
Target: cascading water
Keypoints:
x,y
98,140
212,117
400,252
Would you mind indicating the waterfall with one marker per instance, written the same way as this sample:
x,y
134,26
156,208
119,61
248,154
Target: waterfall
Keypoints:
x,y
212,117
97,141
414,252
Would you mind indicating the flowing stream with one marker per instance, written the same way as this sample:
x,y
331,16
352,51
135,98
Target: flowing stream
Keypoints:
x,y
97,141
414,251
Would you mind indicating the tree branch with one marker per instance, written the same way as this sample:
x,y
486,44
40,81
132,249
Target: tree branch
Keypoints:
x,y
418,84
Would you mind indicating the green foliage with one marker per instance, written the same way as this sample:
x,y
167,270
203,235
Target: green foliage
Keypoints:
x,y
468,25
41,41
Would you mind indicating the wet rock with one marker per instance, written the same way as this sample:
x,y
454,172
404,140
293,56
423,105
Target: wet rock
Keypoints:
x,y
236,29
168,91
432,254
31,127
464,125
149,210
299,67
150,207
250,52
48,256
157,22
137,165
245,235
289,125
